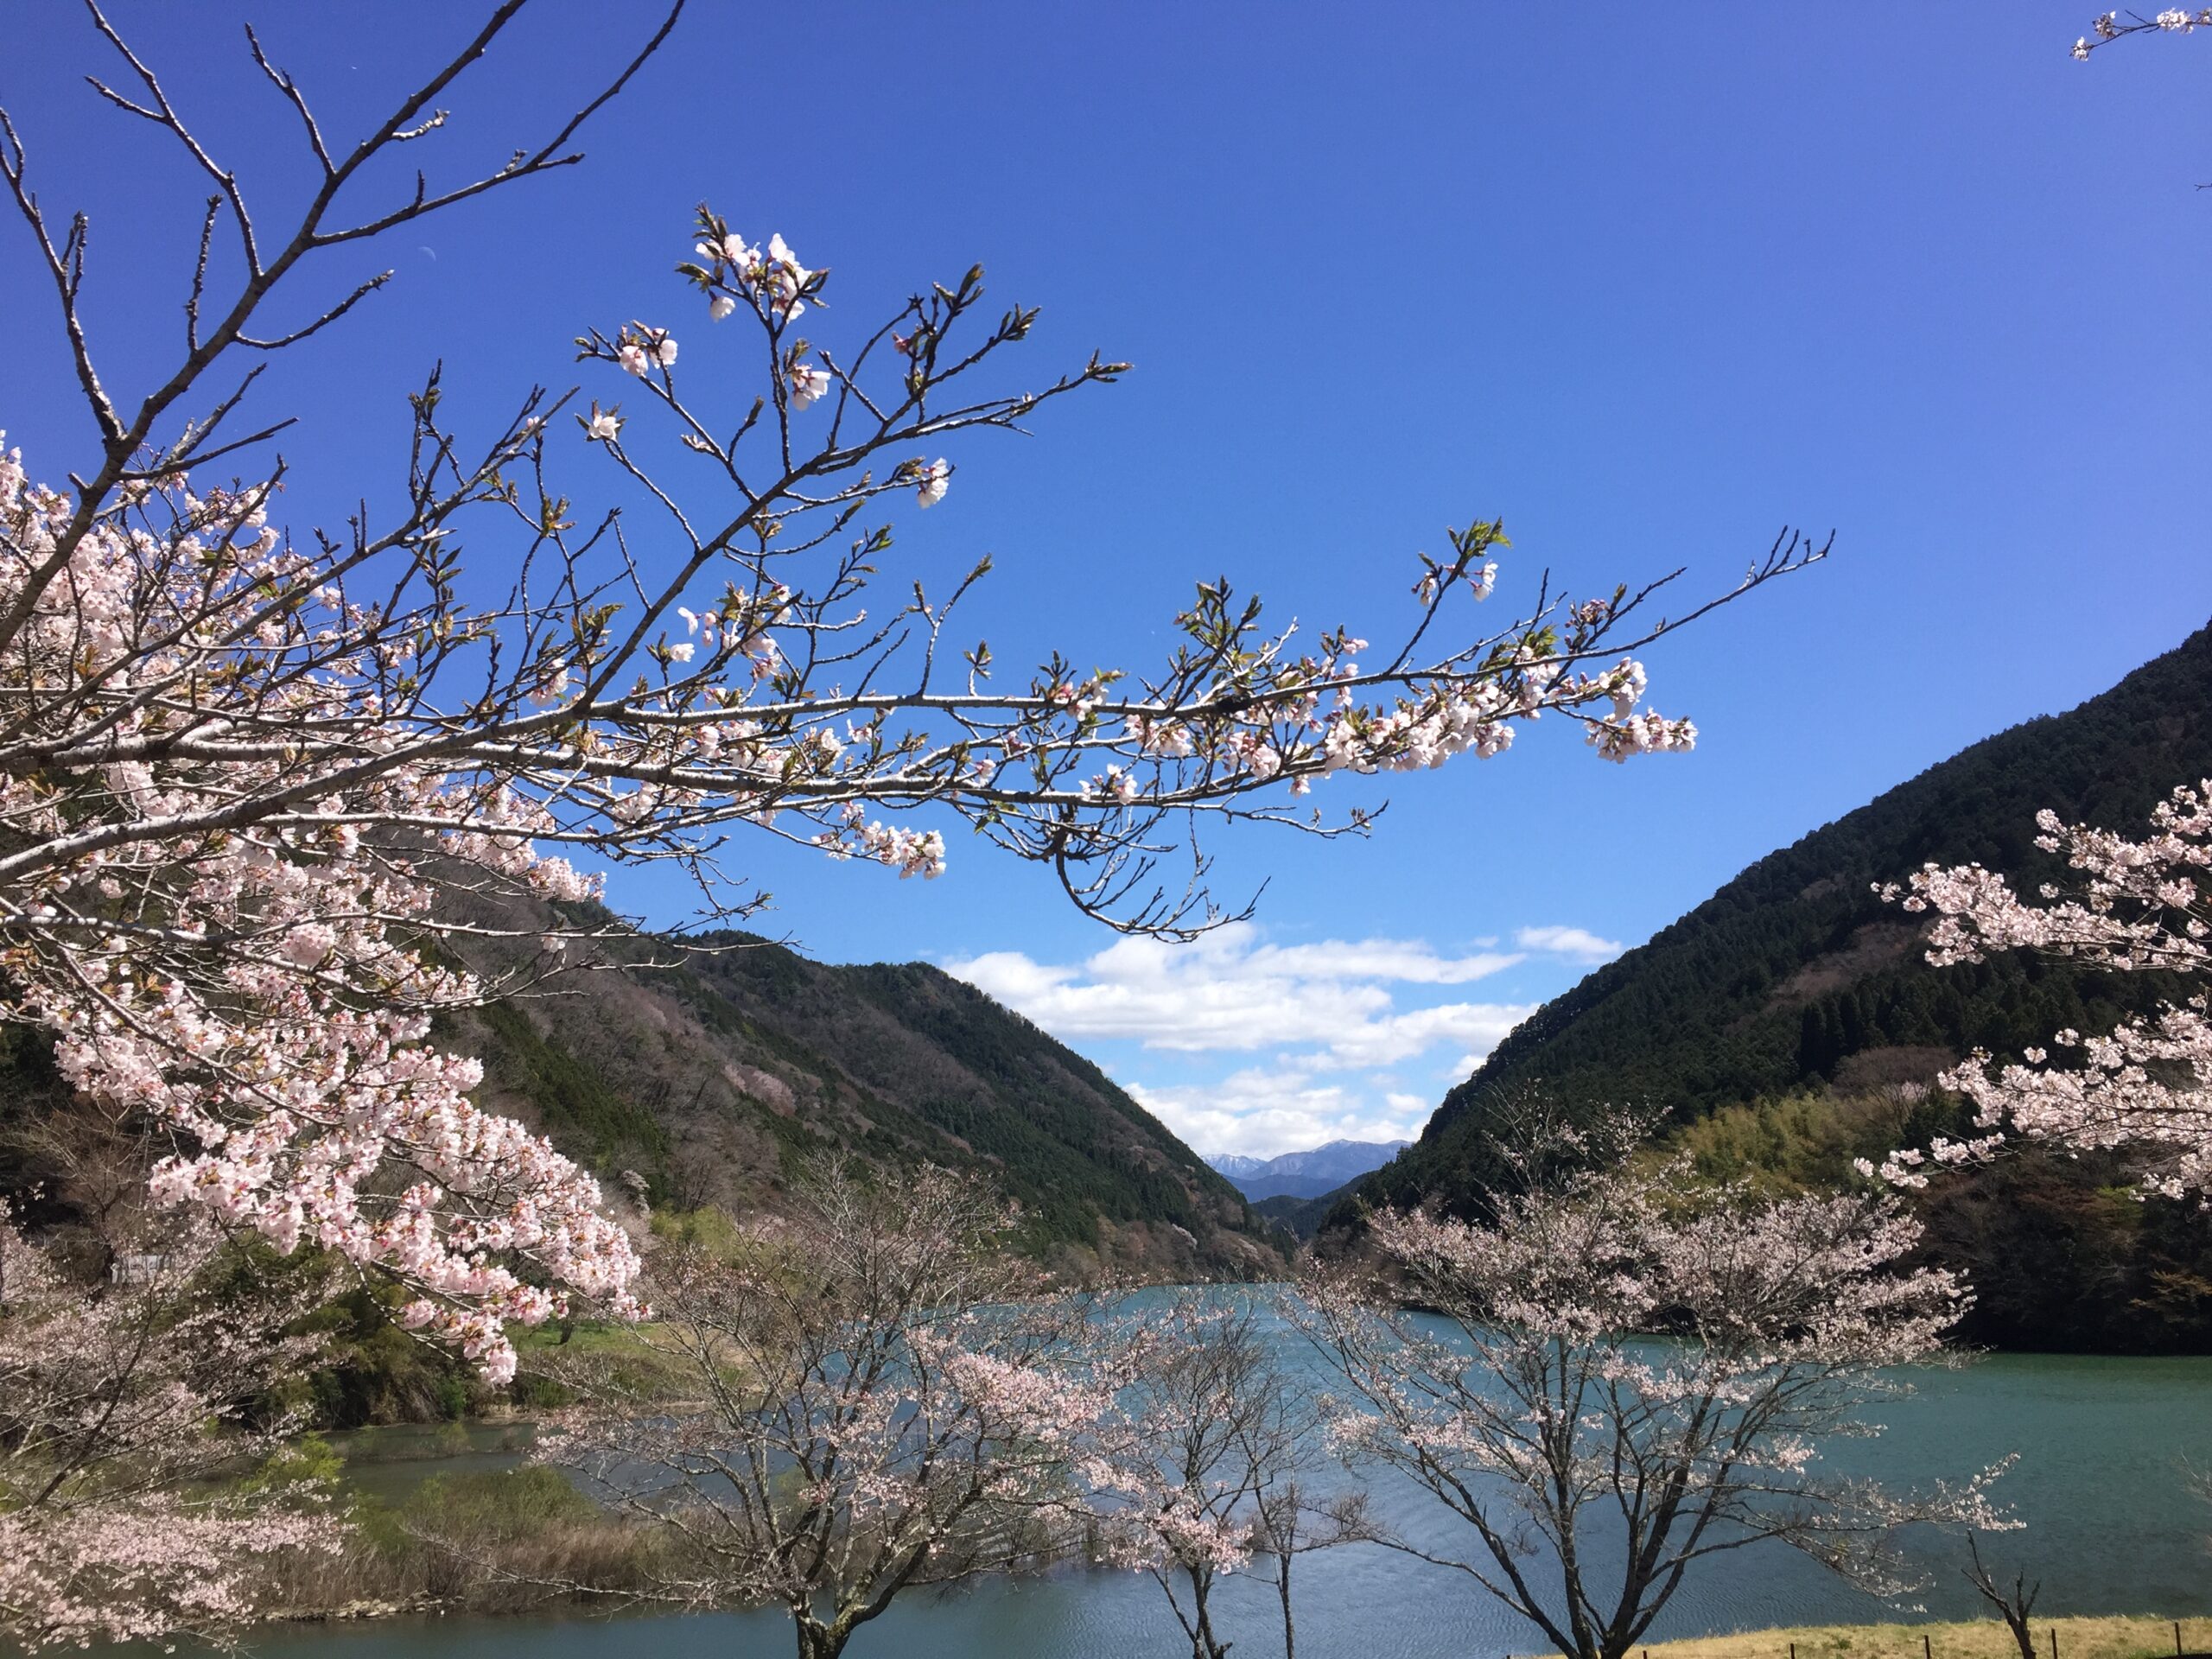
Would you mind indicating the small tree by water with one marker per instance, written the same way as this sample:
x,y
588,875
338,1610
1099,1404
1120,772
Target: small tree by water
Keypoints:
x,y
878,1411
1197,1476
2012,1603
1634,1375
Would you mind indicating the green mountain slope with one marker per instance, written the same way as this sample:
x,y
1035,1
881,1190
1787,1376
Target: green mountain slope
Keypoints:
x,y
713,1075
1795,981
1303,1217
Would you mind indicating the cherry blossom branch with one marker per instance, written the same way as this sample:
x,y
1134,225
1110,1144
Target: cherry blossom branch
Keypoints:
x,y
2145,1089
246,776
2108,28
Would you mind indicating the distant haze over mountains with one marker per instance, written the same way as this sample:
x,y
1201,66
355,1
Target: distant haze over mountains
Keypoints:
x,y
1305,1174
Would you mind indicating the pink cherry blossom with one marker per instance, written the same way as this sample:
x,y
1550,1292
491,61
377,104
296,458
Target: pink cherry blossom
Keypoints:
x,y
809,385
2144,1088
1626,1366
120,1405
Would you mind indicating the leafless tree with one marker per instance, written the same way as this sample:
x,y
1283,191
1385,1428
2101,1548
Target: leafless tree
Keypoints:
x,y
1210,1433
2013,1605
1289,1523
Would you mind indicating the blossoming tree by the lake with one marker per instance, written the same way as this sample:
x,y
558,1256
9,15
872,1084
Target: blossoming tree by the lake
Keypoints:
x,y
1196,1470
1632,1376
883,1408
120,1409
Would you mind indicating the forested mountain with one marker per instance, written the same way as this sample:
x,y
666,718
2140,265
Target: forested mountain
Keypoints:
x,y
1307,1174
713,1076
1304,1218
1795,981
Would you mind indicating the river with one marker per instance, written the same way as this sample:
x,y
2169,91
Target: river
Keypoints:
x,y
2102,1480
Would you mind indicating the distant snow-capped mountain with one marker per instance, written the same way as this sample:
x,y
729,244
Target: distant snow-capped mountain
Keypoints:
x,y
1305,1174
1235,1165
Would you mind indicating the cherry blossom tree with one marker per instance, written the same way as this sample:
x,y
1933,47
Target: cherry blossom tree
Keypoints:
x,y
246,770
2145,1089
1197,1470
885,1407
119,1410
1291,1521
1625,1376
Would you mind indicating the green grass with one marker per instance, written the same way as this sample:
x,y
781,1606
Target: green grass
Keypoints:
x,y
640,1362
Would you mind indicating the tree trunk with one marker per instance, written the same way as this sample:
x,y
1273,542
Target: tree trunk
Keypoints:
x,y
1204,1644
1283,1584
817,1640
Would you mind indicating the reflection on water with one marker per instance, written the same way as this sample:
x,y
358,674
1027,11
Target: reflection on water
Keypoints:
x,y
390,1462
2101,1477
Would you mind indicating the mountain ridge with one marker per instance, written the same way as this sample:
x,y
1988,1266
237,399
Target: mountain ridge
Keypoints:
x,y
1309,1173
1782,1016
712,1070
750,1059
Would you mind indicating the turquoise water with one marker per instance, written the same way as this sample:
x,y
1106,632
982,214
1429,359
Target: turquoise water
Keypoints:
x,y
2102,1480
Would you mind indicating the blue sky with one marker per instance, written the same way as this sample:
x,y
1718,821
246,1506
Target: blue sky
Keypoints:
x,y
1648,283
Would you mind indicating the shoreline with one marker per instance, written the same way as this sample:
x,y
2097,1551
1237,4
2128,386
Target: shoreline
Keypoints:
x,y
2114,1636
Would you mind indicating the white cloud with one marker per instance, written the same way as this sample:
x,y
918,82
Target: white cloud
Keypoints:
x,y
1177,1006
1262,1113
1576,941
1413,962
1230,993
1401,1036
1315,1026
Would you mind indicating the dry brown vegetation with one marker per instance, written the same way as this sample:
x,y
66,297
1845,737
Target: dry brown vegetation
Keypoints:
x,y
2078,1638
487,1543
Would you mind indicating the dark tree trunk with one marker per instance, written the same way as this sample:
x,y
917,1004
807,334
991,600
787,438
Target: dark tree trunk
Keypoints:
x,y
1203,1644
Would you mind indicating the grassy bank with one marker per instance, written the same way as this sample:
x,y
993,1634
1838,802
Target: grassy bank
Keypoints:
x,y
2078,1638
487,1542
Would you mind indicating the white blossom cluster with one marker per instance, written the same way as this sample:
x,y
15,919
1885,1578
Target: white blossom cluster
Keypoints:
x,y
2108,27
250,989
2139,906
